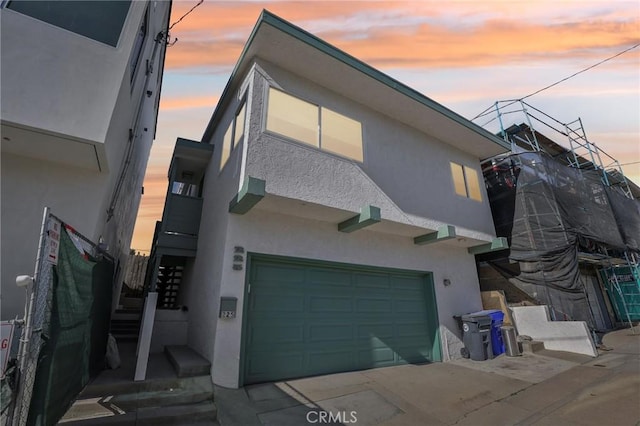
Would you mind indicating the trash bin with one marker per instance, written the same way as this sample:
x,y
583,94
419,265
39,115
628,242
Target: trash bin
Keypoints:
x,y
497,345
477,336
510,341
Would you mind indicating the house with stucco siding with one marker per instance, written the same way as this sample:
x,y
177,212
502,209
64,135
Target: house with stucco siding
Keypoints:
x,y
327,221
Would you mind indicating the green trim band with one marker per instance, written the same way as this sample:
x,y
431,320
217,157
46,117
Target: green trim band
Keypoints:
x,y
253,190
496,244
445,232
369,215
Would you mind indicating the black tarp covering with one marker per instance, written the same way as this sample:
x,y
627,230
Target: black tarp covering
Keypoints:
x,y
549,213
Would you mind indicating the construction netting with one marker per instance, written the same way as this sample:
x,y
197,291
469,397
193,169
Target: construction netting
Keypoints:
x,y
76,334
551,213
64,341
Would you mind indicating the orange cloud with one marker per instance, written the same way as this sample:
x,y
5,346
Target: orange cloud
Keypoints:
x,y
188,102
215,35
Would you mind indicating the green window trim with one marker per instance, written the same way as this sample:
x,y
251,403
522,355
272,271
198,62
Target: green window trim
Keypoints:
x,y
314,125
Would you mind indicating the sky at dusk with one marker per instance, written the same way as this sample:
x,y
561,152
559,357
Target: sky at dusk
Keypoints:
x,y
464,55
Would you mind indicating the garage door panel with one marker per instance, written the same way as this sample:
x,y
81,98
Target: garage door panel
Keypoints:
x,y
330,333
268,302
323,277
379,281
409,306
403,282
366,331
280,334
350,319
330,304
373,305
412,329
330,361
376,357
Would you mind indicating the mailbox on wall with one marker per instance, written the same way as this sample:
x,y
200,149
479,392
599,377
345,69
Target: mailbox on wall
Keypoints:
x,y
228,307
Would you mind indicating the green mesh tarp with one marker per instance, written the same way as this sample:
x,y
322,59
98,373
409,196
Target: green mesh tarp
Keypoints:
x,y
75,339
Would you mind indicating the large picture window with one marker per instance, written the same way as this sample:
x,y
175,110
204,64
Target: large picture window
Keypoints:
x,y
466,182
313,125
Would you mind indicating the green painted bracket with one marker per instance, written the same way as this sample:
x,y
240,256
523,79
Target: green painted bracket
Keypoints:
x,y
445,232
369,215
496,244
252,191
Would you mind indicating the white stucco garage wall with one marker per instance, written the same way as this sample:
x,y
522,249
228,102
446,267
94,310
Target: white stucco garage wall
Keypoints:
x,y
266,232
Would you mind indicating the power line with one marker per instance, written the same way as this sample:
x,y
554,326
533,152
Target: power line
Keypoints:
x,y
581,71
563,80
185,15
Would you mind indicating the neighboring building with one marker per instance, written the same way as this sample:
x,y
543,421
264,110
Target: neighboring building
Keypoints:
x,y
327,221
572,220
80,91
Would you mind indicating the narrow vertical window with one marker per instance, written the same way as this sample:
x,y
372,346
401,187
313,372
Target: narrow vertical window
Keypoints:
x,y
226,146
138,44
473,183
458,179
466,182
239,126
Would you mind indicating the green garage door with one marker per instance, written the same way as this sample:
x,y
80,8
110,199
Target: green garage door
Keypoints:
x,y
307,318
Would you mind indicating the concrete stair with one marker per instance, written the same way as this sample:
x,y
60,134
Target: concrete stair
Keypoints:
x,y
125,325
187,362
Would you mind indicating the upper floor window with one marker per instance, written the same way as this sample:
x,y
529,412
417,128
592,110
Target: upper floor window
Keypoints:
x,y
98,20
233,136
314,125
466,182
138,44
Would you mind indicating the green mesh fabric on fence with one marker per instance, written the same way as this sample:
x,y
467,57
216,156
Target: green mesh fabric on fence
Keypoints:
x,y
77,333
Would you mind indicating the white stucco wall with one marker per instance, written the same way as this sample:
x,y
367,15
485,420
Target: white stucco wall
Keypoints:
x,y
409,168
406,173
27,186
60,81
77,195
272,233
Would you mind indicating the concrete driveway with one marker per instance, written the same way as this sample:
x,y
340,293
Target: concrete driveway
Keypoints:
x,y
546,388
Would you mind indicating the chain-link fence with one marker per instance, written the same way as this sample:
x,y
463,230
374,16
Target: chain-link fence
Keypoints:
x,y
65,327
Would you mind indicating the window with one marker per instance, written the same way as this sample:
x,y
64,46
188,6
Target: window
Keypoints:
x,y
341,134
317,126
466,182
292,117
233,136
98,20
138,44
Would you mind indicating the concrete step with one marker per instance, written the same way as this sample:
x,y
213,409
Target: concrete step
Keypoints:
x,y
187,362
121,315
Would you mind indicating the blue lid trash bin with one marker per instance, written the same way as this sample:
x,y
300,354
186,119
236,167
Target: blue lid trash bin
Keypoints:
x,y
476,337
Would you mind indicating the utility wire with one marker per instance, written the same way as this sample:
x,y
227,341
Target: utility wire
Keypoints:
x,y
185,15
581,71
564,79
